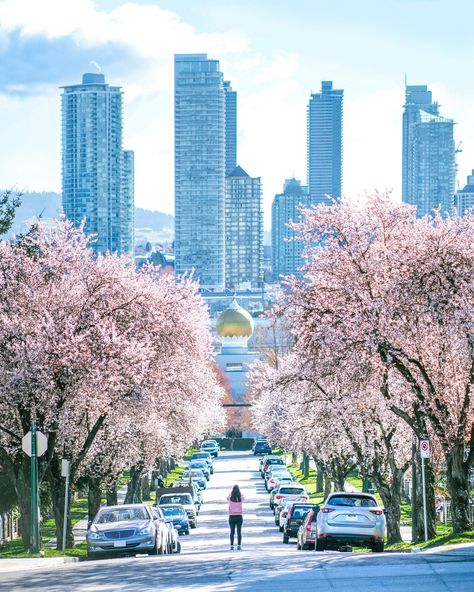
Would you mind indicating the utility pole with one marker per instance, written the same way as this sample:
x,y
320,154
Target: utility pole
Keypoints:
x,y
35,543
414,496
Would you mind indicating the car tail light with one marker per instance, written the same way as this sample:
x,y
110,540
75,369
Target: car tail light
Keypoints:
x,y
305,497
284,514
377,512
327,510
308,525
278,496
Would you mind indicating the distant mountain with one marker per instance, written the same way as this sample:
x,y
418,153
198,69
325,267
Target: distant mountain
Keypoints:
x,y
47,204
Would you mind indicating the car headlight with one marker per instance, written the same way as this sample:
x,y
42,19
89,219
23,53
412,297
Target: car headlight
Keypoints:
x,y
94,535
146,530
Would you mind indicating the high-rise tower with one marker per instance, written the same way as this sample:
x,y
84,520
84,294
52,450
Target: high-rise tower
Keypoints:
x,y
230,128
325,143
243,231
428,157
200,156
287,253
93,164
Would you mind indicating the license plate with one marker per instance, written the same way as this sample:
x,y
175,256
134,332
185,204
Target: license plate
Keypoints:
x,y
351,518
120,544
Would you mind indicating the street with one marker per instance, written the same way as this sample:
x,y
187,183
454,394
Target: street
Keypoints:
x,y
264,564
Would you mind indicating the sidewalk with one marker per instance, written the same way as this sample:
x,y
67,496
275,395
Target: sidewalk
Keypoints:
x,y
26,563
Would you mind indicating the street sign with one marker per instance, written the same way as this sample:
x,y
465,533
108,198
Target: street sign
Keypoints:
x,y
41,443
424,448
65,468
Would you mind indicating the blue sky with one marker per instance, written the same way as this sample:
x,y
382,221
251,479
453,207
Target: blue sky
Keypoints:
x,y
274,52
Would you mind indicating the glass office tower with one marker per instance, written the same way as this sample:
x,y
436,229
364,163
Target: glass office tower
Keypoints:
x,y
325,143
429,155
243,231
200,156
230,128
287,254
93,164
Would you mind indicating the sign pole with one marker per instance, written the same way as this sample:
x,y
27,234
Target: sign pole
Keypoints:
x,y
65,471
34,492
425,517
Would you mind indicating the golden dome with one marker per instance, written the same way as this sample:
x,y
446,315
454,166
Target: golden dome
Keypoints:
x,y
234,322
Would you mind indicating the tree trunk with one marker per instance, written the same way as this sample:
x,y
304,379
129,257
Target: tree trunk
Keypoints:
x,y
327,486
294,458
94,495
319,477
134,493
457,482
391,497
56,484
111,494
145,486
23,493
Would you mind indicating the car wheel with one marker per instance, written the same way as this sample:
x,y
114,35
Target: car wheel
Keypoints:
x,y
186,531
280,528
155,550
305,546
286,538
320,545
377,547
178,547
298,546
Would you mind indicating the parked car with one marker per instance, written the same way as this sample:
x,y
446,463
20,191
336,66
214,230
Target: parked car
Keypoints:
x,y
202,465
277,476
306,535
281,511
195,475
190,486
183,498
262,447
176,514
354,519
271,460
210,446
294,518
129,528
204,456
288,491
263,460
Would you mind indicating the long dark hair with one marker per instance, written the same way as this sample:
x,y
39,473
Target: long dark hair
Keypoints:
x,y
235,494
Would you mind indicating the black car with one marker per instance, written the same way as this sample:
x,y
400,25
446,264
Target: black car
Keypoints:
x,y
176,514
262,447
295,517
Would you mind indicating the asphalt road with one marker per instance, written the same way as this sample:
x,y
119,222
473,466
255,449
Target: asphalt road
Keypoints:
x,y
264,564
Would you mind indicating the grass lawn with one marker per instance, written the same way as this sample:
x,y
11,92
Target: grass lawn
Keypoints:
x,y
444,538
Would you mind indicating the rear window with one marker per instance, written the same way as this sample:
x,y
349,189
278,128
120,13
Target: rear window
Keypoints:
x,y
299,512
352,501
178,498
197,455
274,461
291,490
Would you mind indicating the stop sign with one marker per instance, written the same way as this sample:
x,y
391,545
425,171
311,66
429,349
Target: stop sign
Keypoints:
x,y
41,443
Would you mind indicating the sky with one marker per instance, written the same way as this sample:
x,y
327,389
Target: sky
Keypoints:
x,y
274,52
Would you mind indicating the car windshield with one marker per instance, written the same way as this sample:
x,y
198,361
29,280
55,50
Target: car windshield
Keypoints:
x,y
291,490
275,461
299,512
178,498
202,455
207,445
122,515
173,511
352,501
198,465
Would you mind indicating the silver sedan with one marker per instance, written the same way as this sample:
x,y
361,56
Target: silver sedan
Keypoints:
x,y
354,519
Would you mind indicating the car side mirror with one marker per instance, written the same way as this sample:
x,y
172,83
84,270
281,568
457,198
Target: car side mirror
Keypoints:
x,y
385,511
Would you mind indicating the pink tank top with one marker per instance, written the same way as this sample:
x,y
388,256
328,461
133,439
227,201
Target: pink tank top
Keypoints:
x,y
235,508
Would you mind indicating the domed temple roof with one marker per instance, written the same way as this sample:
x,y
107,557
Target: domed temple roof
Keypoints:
x,y
235,321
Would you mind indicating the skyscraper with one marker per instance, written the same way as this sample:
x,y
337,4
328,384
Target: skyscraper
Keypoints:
x,y
230,128
93,163
128,188
464,198
428,157
243,231
325,143
200,155
287,254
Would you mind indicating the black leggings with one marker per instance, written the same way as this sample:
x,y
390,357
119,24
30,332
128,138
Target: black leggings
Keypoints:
x,y
233,522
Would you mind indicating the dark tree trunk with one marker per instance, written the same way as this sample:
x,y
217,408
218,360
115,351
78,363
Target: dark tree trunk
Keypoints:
x,y
327,486
111,494
134,493
145,486
56,484
23,492
391,497
94,496
457,482
319,477
294,458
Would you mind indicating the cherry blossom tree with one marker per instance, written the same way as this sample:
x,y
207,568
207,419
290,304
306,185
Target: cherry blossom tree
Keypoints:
x,y
380,281
88,346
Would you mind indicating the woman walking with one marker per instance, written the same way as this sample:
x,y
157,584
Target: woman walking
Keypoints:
x,y
235,499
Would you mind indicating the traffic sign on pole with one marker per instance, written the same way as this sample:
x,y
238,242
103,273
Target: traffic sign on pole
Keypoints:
x,y
41,443
425,448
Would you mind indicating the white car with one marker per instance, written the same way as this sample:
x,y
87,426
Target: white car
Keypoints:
x,y
276,477
210,446
285,492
